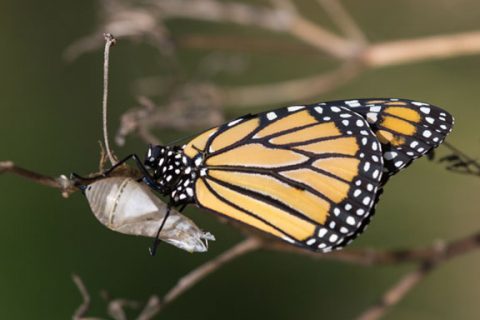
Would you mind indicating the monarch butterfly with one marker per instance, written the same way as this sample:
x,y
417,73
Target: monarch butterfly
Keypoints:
x,y
308,174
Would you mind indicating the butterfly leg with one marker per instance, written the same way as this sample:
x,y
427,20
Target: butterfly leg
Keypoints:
x,y
156,241
147,177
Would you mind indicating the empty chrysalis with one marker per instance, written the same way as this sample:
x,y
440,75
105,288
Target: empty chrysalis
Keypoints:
x,y
127,206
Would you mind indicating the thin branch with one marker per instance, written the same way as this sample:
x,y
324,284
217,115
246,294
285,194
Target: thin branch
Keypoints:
x,y
397,292
109,41
152,308
116,308
427,48
322,39
193,106
284,19
85,305
139,23
275,20
464,161
189,280
342,18
374,56
61,182
86,44
370,257
286,5
244,44
292,90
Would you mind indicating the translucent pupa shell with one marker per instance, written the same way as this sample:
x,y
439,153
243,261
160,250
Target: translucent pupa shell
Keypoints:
x,y
127,206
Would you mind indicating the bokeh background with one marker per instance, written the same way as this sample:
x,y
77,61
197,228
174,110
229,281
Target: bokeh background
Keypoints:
x,y
50,122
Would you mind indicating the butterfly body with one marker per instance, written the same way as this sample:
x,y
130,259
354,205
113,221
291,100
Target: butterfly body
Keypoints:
x,y
310,175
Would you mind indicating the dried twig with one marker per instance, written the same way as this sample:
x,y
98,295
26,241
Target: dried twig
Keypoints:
x,y
292,90
397,292
152,308
109,41
155,305
427,258
370,257
116,308
460,162
426,48
342,18
356,54
189,280
286,5
193,106
62,182
85,305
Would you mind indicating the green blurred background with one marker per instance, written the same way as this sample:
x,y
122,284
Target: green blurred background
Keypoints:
x,y
50,122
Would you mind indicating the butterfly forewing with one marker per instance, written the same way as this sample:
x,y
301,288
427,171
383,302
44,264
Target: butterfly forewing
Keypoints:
x,y
309,175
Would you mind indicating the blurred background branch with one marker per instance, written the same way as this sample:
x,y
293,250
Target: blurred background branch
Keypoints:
x,y
201,104
426,260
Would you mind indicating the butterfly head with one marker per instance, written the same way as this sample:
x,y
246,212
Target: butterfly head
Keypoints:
x,y
155,156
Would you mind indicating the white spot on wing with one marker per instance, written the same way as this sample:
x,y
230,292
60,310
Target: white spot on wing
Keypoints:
x,y
271,115
234,122
295,108
366,201
351,221
366,167
288,239
319,110
335,109
322,232
372,117
425,110
353,103
416,103
333,238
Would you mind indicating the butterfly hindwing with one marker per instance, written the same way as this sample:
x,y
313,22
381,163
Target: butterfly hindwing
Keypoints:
x,y
407,129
